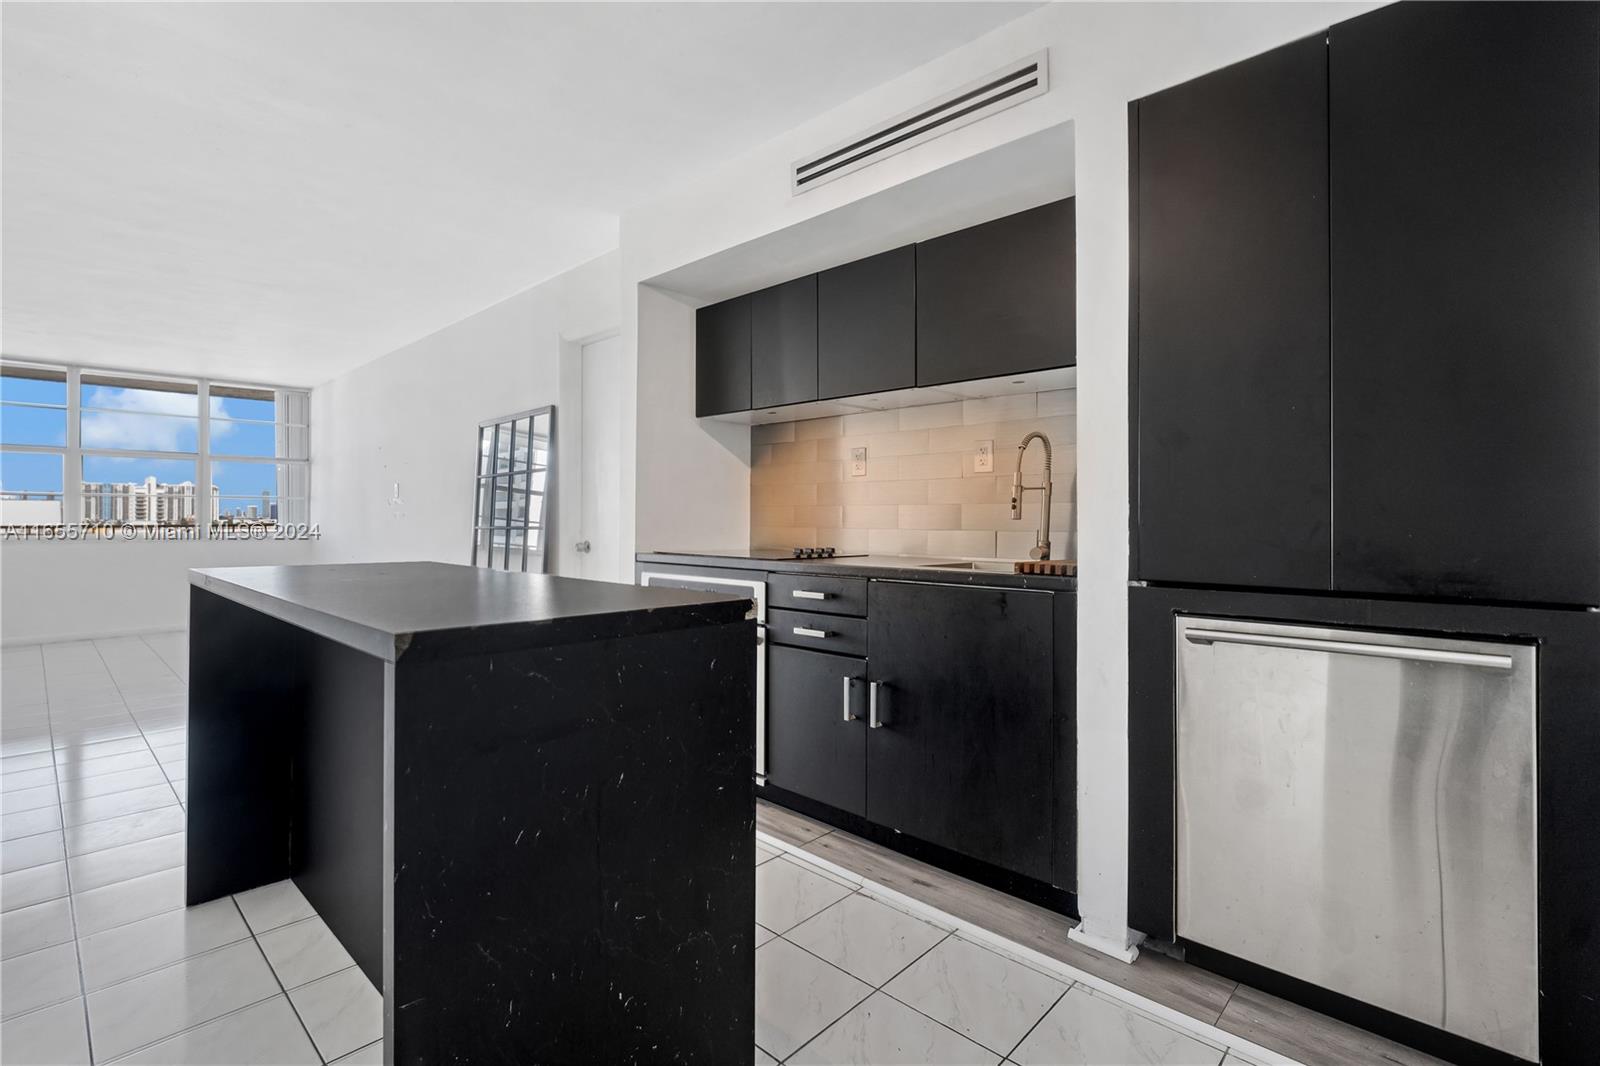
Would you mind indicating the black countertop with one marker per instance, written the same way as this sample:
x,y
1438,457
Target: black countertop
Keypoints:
x,y
884,567
379,607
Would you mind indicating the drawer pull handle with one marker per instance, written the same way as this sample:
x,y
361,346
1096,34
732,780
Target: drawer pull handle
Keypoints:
x,y
848,715
804,594
874,720
802,631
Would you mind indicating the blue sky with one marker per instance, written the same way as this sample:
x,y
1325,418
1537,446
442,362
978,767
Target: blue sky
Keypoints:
x,y
139,419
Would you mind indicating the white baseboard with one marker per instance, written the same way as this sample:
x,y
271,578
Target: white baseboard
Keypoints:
x,y
1123,952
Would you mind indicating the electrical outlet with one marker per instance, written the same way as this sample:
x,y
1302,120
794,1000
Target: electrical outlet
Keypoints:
x,y
858,462
983,462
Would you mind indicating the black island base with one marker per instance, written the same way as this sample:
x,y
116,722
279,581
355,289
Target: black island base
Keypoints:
x,y
524,804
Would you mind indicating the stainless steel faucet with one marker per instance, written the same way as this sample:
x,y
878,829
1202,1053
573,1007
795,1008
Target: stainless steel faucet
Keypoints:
x,y
1041,549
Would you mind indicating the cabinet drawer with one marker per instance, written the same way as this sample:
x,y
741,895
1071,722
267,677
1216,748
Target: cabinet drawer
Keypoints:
x,y
812,592
823,632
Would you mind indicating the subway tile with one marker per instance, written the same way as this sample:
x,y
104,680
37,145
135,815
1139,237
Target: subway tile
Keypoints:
x,y
861,491
761,455
1058,402
976,543
822,517
772,433
787,537
767,516
935,465
1000,408
905,442
853,541
800,451
779,496
897,542
884,468
997,516
816,428
985,489
932,417
871,516
930,516
869,422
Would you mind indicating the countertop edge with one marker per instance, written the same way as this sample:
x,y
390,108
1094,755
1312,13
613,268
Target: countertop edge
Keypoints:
x,y
848,567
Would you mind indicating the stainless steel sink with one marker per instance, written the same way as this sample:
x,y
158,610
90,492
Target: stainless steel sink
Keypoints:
x,y
996,567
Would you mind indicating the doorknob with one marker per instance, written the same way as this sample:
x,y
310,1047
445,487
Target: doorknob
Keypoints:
x,y
582,546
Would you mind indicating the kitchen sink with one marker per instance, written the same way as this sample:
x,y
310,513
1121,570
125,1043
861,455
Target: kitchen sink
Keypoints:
x,y
996,567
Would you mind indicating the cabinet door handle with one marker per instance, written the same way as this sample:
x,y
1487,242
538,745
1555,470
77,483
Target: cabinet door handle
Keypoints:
x,y
802,631
848,717
802,594
874,721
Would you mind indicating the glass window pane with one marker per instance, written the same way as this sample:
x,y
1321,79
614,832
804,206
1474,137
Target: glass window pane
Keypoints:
x,y
128,431
485,443
502,448
24,424
124,490
245,510
244,438
30,489
112,392
39,385
244,402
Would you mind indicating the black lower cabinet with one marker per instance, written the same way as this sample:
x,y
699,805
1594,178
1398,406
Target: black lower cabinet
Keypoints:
x,y
962,752
813,749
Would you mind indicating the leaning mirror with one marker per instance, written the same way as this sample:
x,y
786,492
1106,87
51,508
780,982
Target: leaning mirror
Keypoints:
x,y
515,456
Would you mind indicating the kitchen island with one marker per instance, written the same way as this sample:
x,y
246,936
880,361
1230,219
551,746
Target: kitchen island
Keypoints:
x,y
524,804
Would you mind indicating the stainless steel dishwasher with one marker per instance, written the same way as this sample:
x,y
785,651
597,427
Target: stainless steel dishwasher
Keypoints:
x,y
1356,809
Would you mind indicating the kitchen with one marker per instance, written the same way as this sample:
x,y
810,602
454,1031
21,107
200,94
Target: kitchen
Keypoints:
x,y
1154,451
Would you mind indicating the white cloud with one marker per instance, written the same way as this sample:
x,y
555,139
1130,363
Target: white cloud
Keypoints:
x,y
122,419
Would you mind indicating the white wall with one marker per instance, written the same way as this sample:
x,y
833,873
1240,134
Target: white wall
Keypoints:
x,y
1101,57
410,419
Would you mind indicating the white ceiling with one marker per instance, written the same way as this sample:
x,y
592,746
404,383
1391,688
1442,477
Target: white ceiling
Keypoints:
x,y
281,192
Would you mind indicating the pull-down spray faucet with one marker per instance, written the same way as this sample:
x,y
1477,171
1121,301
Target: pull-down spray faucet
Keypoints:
x,y
1041,549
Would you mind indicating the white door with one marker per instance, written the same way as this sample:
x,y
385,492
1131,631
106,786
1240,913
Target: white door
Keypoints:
x,y
600,494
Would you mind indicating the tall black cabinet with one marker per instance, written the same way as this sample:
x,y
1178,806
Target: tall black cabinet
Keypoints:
x,y
1466,301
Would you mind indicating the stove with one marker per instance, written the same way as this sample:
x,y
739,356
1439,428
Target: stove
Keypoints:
x,y
803,553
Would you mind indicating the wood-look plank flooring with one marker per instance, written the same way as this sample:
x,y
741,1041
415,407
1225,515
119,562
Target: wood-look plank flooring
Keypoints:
x,y
1292,1030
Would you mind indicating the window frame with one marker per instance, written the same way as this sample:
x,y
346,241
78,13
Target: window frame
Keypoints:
x,y
73,452
533,520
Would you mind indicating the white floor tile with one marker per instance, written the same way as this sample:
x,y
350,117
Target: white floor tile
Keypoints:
x,y
28,799
788,893
101,750
797,996
371,1055
127,1016
344,1012
763,1059
885,1032
77,769
763,934
128,901
50,1036
106,784
81,812
303,951
151,943
125,829
763,853
273,905
1086,1028
39,979
34,761
866,938
15,780
29,823
99,868
37,850
266,1034
42,925
977,992
33,885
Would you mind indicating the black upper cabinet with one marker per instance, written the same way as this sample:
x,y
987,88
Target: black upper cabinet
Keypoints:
x,y
1466,327
964,753
867,325
1230,325
722,358
999,298
783,343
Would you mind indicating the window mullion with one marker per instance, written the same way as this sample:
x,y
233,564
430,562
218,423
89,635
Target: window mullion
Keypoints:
x,y
72,458
202,488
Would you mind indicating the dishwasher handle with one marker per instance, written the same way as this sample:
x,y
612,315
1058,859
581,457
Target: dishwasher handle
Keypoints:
x,y
1348,647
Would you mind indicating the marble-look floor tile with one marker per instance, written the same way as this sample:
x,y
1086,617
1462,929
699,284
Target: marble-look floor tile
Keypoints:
x,y
49,1036
342,1011
885,1032
42,925
124,829
16,780
866,938
371,1055
797,996
94,809
788,893
265,1034
39,979
977,992
79,769
70,753
152,943
273,905
126,861
156,1005
1086,1028
33,761
763,853
37,850
128,901
763,934
33,885
29,823
84,788
28,799
763,1059
303,951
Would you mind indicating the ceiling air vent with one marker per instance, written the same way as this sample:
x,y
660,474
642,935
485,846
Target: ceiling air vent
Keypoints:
x,y
1004,88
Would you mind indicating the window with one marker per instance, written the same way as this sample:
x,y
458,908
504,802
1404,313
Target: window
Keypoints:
x,y
120,448
515,455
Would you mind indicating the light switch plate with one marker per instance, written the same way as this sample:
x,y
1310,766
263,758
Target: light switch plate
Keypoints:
x,y
858,462
983,462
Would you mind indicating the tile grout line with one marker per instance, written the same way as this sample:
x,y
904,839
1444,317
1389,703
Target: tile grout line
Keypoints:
x,y
148,746
256,939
